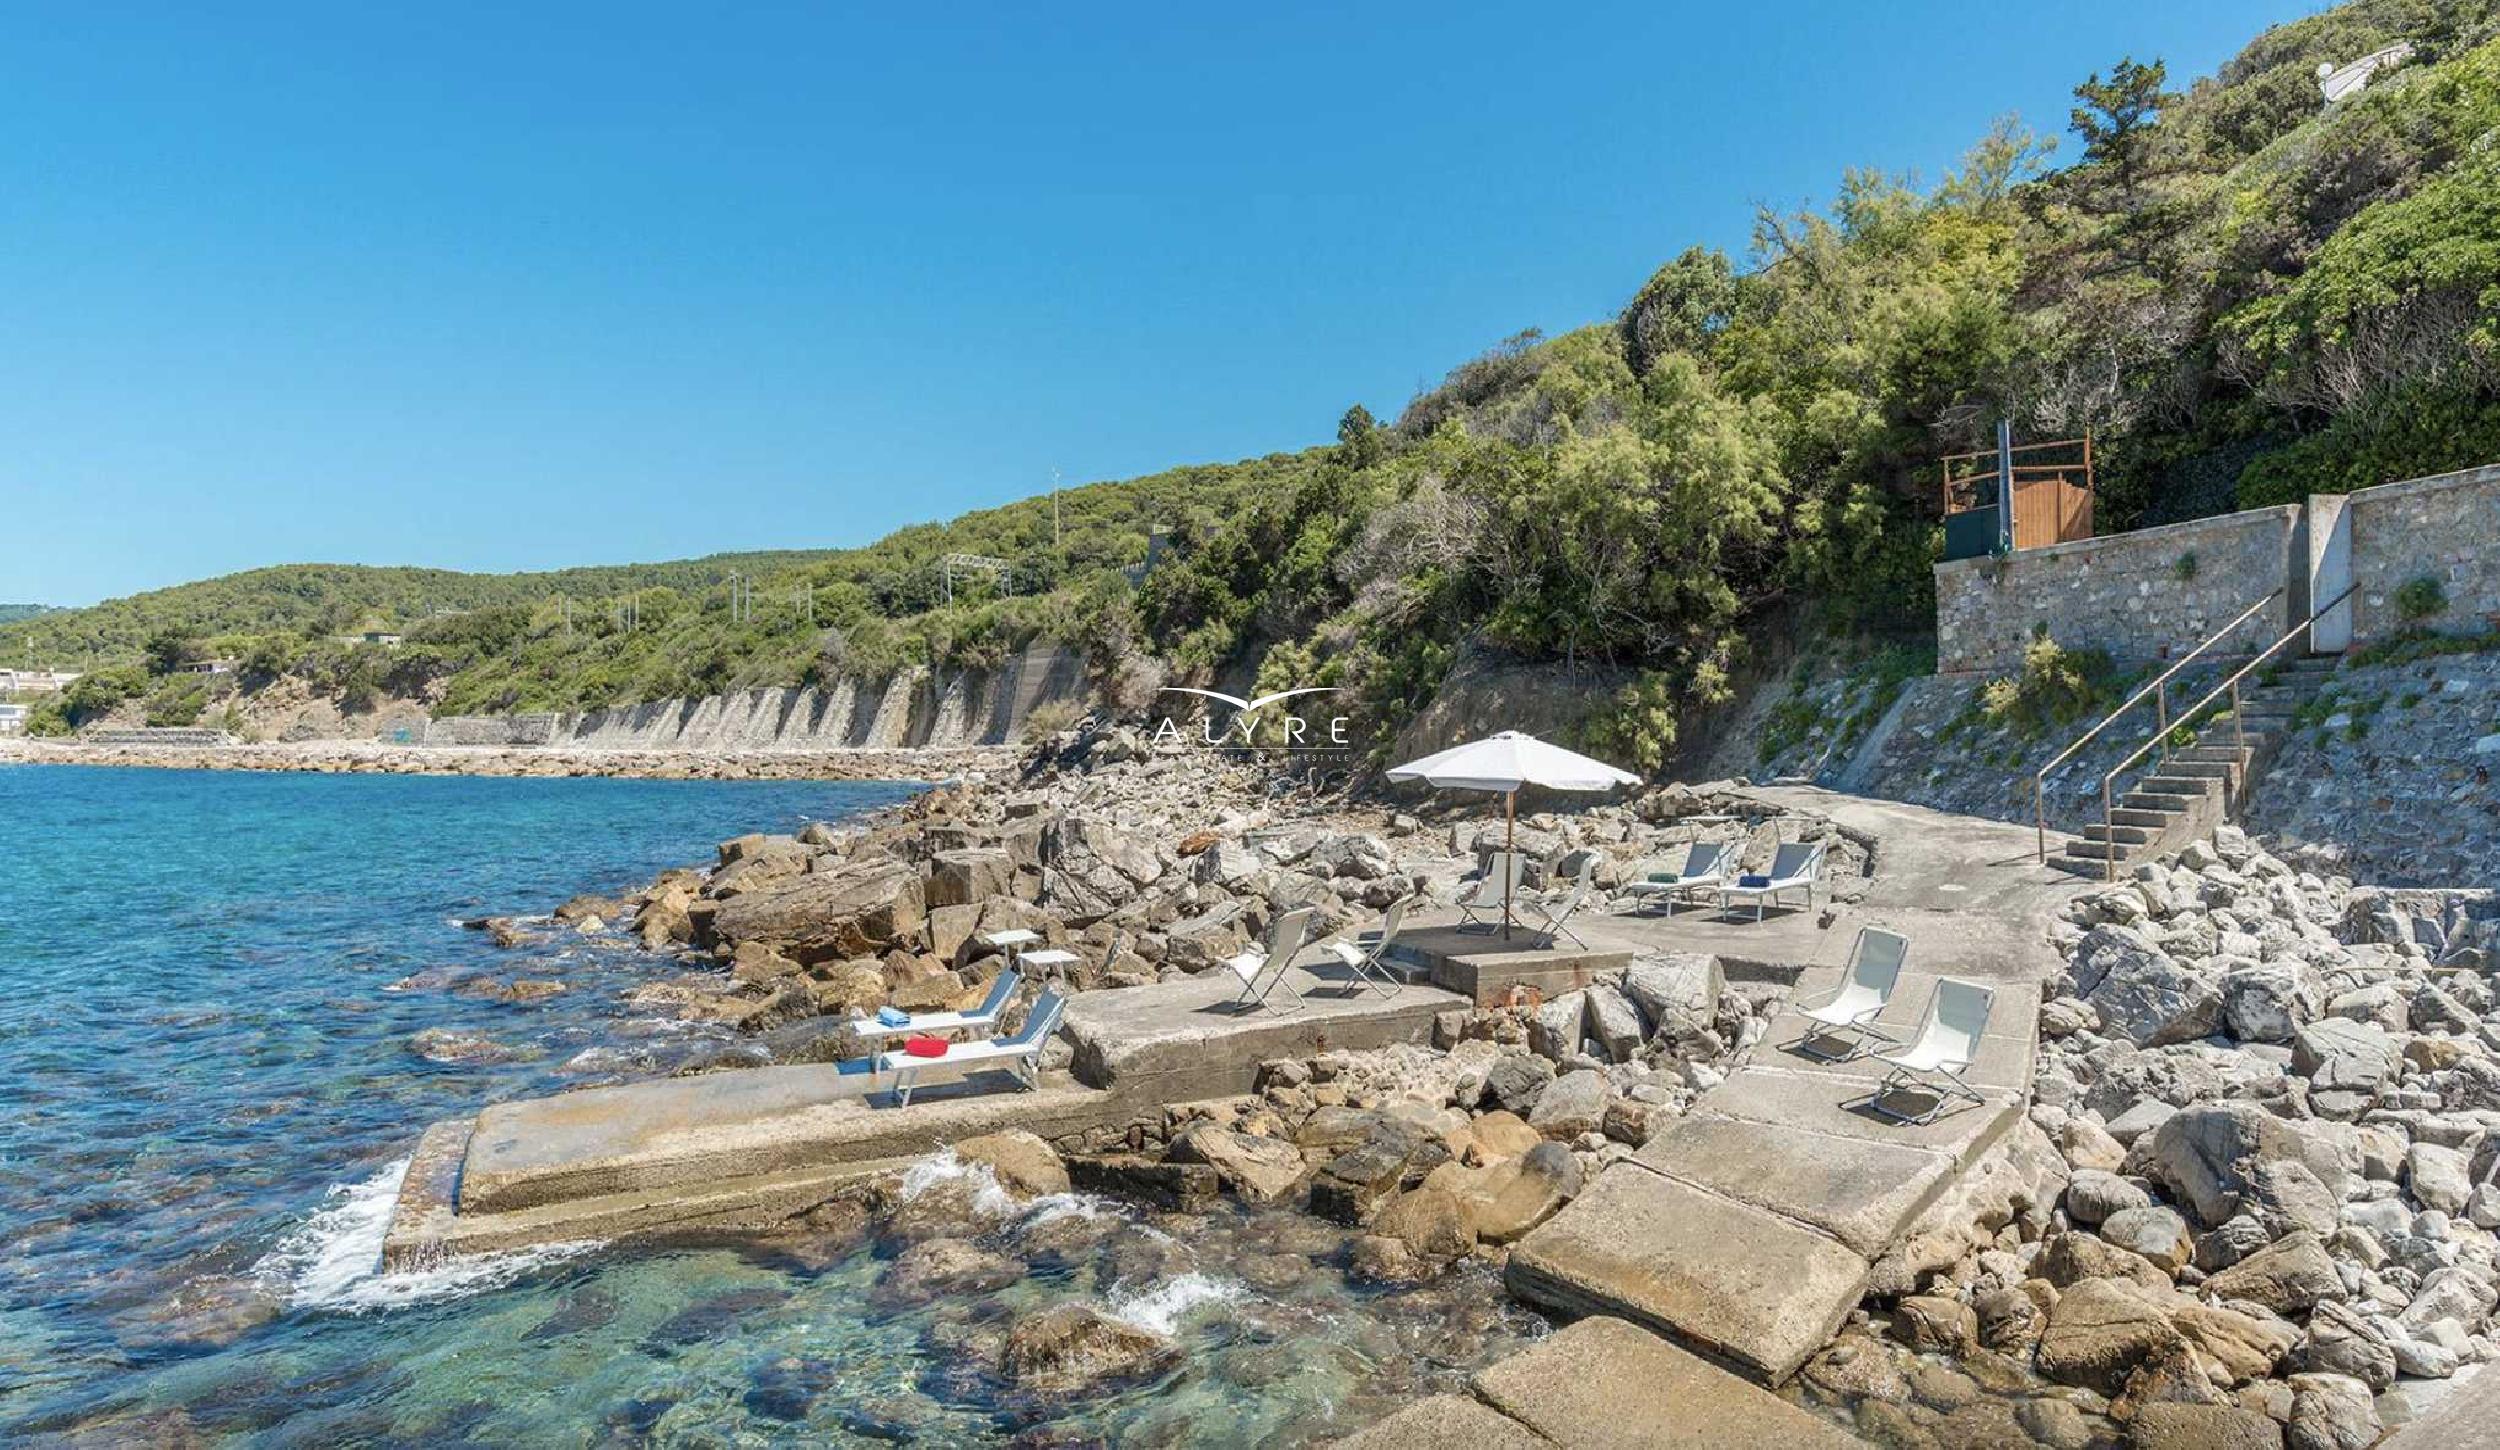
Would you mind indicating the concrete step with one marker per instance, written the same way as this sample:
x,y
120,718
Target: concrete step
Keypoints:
x,y
2212,755
2122,833
2187,788
2100,850
2178,769
2155,802
2127,815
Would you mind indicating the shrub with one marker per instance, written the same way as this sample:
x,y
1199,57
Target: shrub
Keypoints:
x,y
2058,686
2420,599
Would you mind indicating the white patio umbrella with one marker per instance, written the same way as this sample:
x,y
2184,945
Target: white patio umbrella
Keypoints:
x,y
1505,762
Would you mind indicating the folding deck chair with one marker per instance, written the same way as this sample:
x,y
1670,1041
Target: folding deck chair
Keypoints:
x,y
1946,1046
1854,1007
1367,955
1480,905
1260,971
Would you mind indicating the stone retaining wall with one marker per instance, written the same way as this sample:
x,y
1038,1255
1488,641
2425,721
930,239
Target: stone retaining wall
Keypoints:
x,y
2445,528
2145,595
2156,593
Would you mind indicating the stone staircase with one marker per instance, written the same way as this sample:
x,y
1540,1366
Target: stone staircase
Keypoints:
x,y
2183,793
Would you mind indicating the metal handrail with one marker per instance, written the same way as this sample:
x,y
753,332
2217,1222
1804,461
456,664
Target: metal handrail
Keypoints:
x,y
2239,725
2157,686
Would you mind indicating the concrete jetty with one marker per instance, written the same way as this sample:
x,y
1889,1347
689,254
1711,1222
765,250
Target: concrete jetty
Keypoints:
x,y
1748,1229
1736,1240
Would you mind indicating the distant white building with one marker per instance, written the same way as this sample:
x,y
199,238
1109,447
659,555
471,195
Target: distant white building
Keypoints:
x,y
2339,81
211,667
36,682
12,719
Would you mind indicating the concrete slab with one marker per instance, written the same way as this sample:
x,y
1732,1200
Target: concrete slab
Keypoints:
x,y
1754,1288
2004,1060
1446,1422
1835,1105
1862,1193
1189,1039
695,1130
1605,1383
1484,969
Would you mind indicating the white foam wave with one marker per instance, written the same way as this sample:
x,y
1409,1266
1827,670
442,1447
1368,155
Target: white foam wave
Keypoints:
x,y
1161,1307
333,1259
990,1198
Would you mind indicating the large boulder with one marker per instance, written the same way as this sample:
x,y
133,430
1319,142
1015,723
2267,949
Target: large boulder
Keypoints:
x,y
1261,1170
827,916
1022,1163
1394,1154
2100,1330
2141,992
2338,1054
2206,1156
2288,1277
1571,1104
2332,1412
1679,984
1614,1023
1516,1194
1555,1029
962,878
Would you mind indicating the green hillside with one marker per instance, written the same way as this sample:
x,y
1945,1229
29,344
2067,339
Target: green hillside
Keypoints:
x,y
11,613
2242,294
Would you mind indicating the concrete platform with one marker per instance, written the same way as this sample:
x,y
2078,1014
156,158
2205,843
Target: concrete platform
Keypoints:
x,y
1753,1288
1484,968
1188,1039
1605,1383
647,1137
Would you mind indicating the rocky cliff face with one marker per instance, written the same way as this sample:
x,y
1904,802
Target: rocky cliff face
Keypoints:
x,y
906,709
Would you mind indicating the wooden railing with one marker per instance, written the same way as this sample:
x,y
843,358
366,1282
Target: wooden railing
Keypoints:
x,y
2050,486
2159,688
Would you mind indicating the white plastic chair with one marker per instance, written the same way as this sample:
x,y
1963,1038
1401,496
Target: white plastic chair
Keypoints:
x,y
1259,972
1480,905
1020,1054
1706,866
928,1024
1794,866
1946,1046
1865,990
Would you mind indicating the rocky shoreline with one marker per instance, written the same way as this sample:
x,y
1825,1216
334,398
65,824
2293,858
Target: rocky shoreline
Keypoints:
x,y
367,757
2256,1192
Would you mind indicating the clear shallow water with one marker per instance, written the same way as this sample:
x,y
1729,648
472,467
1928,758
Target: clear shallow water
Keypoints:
x,y
207,1095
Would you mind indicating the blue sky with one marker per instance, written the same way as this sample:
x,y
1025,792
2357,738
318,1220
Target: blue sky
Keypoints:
x,y
497,287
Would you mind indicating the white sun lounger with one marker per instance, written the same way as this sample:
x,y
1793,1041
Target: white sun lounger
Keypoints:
x,y
1705,869
1851,1012
1795,866
1364,956
1480,905
1020,1054
1946,1046
1260,971
930,1024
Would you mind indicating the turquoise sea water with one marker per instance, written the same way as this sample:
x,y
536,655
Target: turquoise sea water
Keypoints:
x,y
209,989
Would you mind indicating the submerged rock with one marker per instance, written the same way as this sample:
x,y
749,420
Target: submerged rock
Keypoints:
x,y
1072,1347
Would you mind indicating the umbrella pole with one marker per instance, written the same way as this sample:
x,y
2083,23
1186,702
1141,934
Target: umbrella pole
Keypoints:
x,y
1510,844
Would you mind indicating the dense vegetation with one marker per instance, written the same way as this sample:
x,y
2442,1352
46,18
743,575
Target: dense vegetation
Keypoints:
x,y
11,613
2242,294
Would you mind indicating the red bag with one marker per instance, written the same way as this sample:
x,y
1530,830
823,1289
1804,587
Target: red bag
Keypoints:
x,y
925,1046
